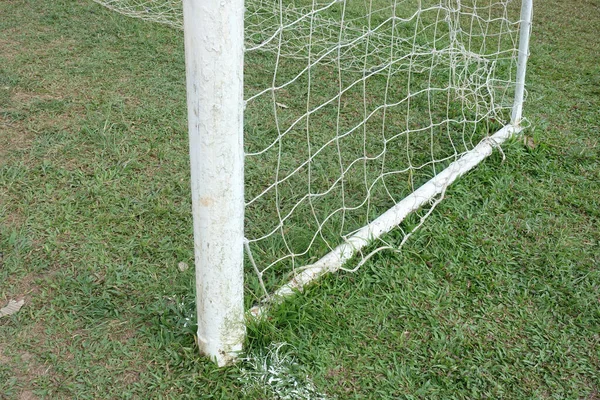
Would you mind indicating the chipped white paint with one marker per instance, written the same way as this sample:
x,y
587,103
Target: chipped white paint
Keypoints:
x,y
277,370
213,31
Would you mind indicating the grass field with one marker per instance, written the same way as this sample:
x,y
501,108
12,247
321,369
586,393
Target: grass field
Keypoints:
x,y
497,296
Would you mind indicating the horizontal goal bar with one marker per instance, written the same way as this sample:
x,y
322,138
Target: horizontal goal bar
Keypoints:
x,y
335,259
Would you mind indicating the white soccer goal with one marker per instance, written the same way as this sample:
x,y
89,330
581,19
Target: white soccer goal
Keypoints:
x,y
317,126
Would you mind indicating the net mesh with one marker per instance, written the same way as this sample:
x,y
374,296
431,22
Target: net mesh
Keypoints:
x,y
350,106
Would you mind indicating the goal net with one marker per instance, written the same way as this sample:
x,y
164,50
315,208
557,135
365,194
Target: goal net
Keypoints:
x,y
358,113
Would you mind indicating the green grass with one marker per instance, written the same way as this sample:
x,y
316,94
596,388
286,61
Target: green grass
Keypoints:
x,y
497,296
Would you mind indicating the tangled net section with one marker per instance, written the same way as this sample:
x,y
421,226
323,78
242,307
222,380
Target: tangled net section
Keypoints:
x,y
352,105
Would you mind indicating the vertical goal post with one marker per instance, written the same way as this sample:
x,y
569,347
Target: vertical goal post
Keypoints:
x,y
214,56
524,34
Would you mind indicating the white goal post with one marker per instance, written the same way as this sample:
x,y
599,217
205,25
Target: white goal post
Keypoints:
x,y
214,53
318,126
215,67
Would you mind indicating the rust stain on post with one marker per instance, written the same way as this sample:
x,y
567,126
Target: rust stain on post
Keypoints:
x,y
206,201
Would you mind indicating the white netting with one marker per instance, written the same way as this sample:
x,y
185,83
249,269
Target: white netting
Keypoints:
x,y
351,105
